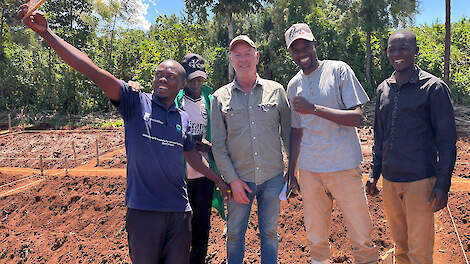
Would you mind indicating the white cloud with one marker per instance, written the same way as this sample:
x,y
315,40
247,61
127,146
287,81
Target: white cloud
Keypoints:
x,y
140,21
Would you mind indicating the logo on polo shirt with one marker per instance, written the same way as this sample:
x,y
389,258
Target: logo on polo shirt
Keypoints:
x,y
146,116
178,127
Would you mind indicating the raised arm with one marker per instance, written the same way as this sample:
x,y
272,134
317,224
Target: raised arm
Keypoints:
x,y
71,55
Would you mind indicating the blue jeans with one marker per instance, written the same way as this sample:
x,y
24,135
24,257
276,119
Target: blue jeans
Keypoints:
x,y
267,197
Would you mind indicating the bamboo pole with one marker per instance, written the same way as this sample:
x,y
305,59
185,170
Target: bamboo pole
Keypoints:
x,y
74,153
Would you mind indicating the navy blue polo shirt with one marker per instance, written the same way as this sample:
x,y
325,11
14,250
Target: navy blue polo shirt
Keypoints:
x,y
155,138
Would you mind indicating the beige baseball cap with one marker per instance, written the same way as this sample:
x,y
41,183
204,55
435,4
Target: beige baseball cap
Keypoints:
x,y
240,38
298,31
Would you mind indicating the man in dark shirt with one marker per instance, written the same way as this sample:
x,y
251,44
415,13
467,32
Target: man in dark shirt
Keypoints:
x,y
414,149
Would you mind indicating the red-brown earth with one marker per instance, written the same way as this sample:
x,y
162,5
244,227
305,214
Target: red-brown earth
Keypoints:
x,y
79,217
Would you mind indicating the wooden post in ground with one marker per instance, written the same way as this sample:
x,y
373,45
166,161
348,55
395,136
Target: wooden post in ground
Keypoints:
x,y
66,166
41,165
74,153
22,119
97,154
9,122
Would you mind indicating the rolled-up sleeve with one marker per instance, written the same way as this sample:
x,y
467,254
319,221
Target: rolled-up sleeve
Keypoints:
x,y
443,124
219,142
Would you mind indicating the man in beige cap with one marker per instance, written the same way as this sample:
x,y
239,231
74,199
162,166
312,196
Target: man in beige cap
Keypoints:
x,y
249,116
326,99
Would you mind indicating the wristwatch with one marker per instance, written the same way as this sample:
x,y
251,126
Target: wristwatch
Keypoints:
x,y
314,108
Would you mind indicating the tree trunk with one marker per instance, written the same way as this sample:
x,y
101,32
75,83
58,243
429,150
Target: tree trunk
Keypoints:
x,y
2,20
368,59
111,47
1,28
447,45
228,8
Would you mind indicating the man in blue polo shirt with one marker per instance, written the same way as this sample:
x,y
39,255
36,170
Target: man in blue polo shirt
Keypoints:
x,y
158,216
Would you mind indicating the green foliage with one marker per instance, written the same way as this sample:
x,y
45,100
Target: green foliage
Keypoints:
x,y
431,55
108,124
199,7
34,78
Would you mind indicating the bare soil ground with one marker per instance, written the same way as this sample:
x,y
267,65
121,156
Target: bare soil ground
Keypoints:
x,y
79,217
24,149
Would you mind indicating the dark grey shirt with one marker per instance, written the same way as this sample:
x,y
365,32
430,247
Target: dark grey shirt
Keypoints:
x,y
414,130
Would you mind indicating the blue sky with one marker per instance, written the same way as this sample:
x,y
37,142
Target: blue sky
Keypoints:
x,y
430,10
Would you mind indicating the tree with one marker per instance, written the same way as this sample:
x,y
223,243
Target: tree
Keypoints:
x,y
227,7
114,12
378,15
374,16
7,17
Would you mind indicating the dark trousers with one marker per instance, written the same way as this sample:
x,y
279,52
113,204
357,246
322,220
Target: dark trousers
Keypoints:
x,y
158,237
200,192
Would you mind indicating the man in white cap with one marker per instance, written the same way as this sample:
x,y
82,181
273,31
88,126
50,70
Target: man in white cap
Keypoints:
x,y
326,99
249,117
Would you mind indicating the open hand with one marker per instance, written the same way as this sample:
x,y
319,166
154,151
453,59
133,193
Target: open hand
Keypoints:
x,y
36,21
238,188
135,86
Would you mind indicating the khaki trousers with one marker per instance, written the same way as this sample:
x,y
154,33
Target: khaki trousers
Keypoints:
x,y
346,187
411,219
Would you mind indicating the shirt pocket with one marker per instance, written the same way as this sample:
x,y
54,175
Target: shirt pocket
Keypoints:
x,y
235,119
268,115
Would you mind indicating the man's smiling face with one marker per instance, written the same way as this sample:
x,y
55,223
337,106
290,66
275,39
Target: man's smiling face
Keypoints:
x,y
304,54
401,51
244,58
169,80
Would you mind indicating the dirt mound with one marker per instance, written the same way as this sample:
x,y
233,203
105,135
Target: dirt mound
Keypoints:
x,y
23,150
65,220
80,219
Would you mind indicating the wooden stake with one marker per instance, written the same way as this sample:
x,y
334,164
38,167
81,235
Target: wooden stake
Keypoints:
x,y
97,154
74,153
22,118
66,167
9,122
41,165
